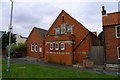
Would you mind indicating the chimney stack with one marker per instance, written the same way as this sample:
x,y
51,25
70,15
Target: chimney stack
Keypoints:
x,y
103,10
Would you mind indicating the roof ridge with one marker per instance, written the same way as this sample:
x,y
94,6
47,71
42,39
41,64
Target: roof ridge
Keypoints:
x,y
40,28
41,32
78,22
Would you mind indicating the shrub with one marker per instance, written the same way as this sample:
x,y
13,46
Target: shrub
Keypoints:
x,y
113,63
16,49
22,47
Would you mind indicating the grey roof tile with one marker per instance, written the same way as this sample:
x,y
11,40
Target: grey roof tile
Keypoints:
x,y
41,32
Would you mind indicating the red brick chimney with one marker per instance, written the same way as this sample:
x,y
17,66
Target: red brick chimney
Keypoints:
x,y
95,33
103,10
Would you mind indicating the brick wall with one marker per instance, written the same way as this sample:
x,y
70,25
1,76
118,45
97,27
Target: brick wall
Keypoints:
x,y
34,37
111,44
79,32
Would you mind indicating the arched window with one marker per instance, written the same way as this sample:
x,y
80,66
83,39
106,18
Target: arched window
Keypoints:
x,y
32,47
56,46
36,47
62,46
51,46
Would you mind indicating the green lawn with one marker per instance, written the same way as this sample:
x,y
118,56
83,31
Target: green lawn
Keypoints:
x,y
23,70
5,62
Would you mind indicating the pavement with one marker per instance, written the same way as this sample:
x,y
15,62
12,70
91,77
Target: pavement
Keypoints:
x,y
95,69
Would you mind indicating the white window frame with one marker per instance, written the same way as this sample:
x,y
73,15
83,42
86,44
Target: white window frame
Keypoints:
x,y
118,52
116,31
62,47
40,49
56,48
62,28
57,30
36,47
32,47
70,29
51,45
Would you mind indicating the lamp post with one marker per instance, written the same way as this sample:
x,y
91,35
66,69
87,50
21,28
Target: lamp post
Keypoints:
x,y
10,30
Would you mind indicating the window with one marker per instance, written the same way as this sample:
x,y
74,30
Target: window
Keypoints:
x,y
56,46
118,31
32,47
36,47
70,29
57,30
62,46
40,49
63,28
51,46
118,52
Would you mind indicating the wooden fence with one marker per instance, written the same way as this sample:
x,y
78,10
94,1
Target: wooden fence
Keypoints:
x,y
97,54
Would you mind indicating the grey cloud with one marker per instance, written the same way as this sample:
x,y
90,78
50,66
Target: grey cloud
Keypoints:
x,y
42,14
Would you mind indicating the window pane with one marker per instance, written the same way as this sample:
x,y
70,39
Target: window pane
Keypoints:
x,y
118,30
32,47
36,47
119,52
57,30
56,46
62,46
51,46
40,49
63,29
70,29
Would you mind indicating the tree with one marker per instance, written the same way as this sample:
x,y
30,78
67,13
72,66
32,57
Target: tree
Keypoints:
x,y
5,39
13,49
16,49
21,47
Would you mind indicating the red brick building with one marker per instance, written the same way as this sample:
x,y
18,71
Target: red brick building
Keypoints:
x,y
35,43
68,41
111,32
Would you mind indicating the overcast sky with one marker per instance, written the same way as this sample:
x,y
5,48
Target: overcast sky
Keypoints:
x,y
42,13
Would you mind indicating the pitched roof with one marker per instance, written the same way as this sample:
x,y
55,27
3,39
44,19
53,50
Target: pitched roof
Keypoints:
x,y
41,32
64,12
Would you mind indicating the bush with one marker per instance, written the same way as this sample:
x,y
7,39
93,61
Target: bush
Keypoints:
x,y
16,49
113,63
13,49
22,47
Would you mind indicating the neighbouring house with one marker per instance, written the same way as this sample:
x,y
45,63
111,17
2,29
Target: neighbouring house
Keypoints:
x,y
2,51
111,32
20,39
1,33
68,41
35,43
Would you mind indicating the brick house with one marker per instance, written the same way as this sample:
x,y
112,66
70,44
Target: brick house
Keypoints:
x,y
35,43
68,41
111,32
20,39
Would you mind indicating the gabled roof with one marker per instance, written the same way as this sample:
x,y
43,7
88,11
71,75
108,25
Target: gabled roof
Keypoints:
x,y
64,12
41,32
